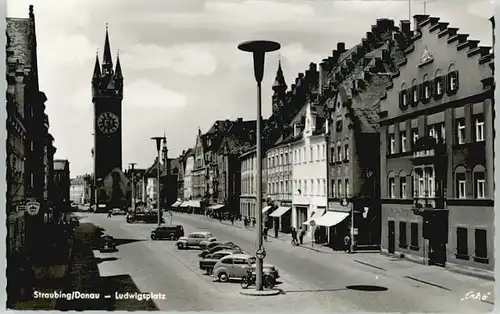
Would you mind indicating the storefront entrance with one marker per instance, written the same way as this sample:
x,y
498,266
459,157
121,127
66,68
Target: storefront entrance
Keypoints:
x,y
301,216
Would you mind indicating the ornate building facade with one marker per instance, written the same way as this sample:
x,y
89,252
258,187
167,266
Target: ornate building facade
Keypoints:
x,y
437,150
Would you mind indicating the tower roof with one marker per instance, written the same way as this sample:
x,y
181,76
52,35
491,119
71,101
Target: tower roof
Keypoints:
x,y
118,70
279,82
107,61
97,68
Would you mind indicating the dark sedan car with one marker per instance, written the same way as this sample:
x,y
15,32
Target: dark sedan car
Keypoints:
x,y
207,264
218,248
107,244
167,232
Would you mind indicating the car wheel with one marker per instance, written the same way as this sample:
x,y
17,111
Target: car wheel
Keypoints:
x,y
171,236
223,277
180,246
153,237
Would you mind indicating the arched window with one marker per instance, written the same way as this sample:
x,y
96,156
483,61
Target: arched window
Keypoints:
x,y
426,87
452,80
403,186
414,91
479,181
460,182
391,184
438,81
404,95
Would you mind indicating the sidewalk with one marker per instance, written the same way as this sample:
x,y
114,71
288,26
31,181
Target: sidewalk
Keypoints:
x,y
430,275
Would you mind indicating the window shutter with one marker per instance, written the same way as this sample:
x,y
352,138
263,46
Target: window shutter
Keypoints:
x,y
401,105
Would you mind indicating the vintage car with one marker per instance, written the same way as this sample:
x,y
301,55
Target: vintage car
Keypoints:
x,y
237,265
194,239
219,247
173,232
210,244
207,264
146,217
117,211
107,243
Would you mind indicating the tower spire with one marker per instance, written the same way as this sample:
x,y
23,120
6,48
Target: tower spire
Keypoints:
x,y
107,61
279,83
97,67
118,69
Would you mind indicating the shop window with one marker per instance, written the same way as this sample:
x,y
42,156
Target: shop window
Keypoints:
x,y
462,245
402,235
414,236
481,251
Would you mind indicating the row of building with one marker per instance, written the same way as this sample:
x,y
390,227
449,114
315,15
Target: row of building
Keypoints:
x,y
37,185
385,131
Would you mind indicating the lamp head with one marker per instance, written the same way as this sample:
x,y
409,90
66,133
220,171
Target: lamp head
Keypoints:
x,y
259,48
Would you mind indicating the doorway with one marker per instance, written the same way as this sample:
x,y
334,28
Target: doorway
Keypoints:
x,y
437,253
392,237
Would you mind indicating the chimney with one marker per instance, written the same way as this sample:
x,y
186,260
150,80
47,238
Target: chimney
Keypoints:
x,y
405,28
240,120
492,20
341,47
312,67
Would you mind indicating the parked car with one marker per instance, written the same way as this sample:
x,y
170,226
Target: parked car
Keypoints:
x,y
237,265
107,243
173,232
218,248
207,264
194,239
117,211
143,217
205,244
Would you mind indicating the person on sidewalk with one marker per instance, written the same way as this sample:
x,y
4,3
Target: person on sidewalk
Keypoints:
x,y
276,230
109,213
294,237
232,219
265,233
254,222
302,233
347,243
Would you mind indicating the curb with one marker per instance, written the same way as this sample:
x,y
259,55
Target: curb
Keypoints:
x,y
261,293
369,265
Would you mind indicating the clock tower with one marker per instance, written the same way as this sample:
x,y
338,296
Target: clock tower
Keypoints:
x,y
107,96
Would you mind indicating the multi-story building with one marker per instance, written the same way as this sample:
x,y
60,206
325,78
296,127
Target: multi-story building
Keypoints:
x,y
150,183
136,181
198,174
77,190
188,175
237,139
62,184
181,160
352,82
437,172
309,166
248,197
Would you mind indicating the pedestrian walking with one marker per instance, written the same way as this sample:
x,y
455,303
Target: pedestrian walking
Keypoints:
x,y
276,230
265,233
347,244
254,222
109,213
302,233
232,220
294,237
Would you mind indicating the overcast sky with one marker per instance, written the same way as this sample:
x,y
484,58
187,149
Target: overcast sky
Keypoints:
x,y
180,60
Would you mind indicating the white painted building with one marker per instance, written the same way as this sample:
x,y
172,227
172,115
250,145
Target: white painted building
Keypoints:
x,y
309,198
77,190
188,177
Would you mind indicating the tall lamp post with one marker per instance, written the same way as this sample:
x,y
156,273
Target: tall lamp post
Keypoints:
x,y
132,177
158,148
259,48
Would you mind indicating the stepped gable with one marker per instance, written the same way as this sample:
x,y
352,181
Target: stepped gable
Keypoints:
x,y
484,54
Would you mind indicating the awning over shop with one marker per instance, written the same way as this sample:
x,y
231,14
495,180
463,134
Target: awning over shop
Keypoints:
x,y
216,206
265,209
280,211
195,203
184,204
315,215
331,219
177,204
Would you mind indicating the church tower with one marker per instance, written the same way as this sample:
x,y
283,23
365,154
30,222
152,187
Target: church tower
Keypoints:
x,y
107,96
279,88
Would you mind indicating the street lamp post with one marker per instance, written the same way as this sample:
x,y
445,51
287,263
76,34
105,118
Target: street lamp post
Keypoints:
x,y
259,48
158,148
132,177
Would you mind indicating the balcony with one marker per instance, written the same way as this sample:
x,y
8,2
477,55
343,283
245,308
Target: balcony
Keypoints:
x,y
424,202
427,150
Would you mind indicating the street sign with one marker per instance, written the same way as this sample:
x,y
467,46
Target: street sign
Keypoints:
x,y
312,223
33,208
261,253
355,231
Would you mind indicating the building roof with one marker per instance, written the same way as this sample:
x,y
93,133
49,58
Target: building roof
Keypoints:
x,y
153,169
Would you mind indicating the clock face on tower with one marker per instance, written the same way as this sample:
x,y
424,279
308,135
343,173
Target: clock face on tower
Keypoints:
x,y
108,122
